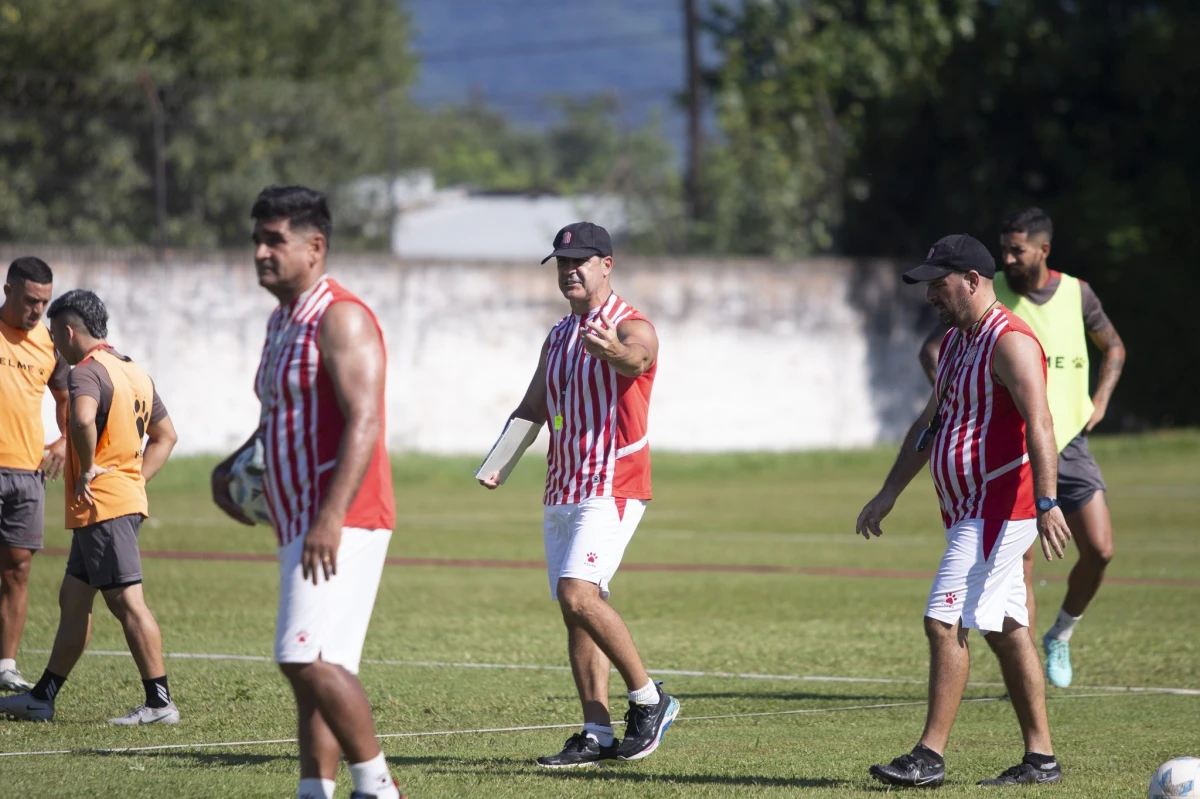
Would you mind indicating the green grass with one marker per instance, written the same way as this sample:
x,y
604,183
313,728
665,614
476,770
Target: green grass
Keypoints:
x,y
791,510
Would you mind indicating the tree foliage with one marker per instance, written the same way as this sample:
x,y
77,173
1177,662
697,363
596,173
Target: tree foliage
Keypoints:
x,y
955,113
252,93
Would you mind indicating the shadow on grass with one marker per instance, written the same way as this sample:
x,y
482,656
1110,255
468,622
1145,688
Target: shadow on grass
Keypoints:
x,y
749,781
233,759
797,696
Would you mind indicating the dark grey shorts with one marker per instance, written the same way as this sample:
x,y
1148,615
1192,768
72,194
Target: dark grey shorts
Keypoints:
x,y
105,555
22,508
1079,475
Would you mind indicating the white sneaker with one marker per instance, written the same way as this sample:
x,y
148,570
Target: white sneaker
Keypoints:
x,y
11,680
23,707
144,714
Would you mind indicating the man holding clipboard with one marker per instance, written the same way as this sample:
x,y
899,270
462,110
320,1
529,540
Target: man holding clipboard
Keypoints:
x,y
592,386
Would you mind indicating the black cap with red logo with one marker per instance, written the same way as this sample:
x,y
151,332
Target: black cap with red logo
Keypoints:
x,y
581,240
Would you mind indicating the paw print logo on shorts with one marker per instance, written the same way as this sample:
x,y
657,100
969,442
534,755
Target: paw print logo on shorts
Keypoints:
x,y
302,636
591,557
1078,362
951,599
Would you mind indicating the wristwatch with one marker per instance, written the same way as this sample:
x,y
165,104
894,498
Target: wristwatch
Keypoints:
x,y
1046,503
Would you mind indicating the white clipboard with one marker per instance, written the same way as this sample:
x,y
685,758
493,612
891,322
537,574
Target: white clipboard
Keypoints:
x,y
518,435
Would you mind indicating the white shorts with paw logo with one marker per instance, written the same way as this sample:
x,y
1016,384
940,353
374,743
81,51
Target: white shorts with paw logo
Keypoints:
x,y
586,540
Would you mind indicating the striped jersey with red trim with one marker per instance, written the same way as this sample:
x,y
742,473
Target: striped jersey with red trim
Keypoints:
x,y
602,449
980,464
302,425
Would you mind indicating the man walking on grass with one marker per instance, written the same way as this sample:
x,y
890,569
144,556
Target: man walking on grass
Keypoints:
x,y
114,408
592,384
1064,313
987,436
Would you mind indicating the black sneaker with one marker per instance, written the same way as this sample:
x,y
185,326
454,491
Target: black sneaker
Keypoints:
x,y
910,770
580,750
1026,773
645,726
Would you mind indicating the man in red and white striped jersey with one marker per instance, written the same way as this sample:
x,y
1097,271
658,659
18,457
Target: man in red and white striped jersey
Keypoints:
x,y
592,386
988,437
327,483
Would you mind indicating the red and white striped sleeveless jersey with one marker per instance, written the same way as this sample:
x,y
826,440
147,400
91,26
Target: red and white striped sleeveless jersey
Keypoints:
x,y
980,464
302,425
602,449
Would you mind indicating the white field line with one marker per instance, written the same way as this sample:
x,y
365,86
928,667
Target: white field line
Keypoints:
x,y
729,675
524,728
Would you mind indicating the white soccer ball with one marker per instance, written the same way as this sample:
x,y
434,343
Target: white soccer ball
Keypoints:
x,y
246,487
1178,777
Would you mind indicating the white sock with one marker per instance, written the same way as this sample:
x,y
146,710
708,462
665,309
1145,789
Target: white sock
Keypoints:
x,y
373,777
315,788
8,664
646,695
1063,626
602,733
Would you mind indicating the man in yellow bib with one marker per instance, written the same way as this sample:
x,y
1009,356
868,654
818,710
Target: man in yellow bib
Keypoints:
x,y
1064,312
28,366
114,408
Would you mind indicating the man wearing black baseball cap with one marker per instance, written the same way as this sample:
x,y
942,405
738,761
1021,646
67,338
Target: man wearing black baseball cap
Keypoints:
x,y
988,437
955,253
581,240
592,386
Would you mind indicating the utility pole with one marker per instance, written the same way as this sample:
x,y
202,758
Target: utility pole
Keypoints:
x,y
160,160
695,129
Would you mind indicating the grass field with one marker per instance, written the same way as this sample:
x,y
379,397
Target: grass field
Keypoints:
x,y
748,637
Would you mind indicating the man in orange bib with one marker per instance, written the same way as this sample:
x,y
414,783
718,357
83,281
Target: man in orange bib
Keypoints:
x,y
28,366
114,408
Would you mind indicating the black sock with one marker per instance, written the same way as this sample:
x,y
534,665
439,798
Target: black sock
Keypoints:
x,y
157,693
928,755
47,687
1035,759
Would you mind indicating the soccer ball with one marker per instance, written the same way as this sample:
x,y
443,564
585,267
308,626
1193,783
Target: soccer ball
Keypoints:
x,y
1178,777
246,487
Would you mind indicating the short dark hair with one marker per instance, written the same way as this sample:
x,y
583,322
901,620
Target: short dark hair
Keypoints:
x,y
299,205
29,269
1030,221
84,305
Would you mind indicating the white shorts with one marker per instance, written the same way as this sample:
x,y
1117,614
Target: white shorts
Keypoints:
x,y
981,579
586,540
328,621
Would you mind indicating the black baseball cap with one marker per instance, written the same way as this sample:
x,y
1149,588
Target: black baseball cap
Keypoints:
x,y
581,240
954,253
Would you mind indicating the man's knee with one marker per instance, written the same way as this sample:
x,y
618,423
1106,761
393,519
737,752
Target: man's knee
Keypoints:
x,y
938,630
576,597
14,568
126,602
75,596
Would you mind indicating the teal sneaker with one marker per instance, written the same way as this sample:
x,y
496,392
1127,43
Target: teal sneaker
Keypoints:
x,y
1058,661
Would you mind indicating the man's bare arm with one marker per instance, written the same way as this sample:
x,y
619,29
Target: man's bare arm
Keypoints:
x,y
908,463
532,407
352,354
1113,361
631,348
82,430
931,349
1019,365
162,439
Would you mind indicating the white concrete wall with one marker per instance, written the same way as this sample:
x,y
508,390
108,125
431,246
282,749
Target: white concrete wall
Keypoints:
x,y
754,355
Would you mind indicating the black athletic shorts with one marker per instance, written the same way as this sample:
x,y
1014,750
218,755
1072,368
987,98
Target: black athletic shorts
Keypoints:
x,y
1079,475
105,555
